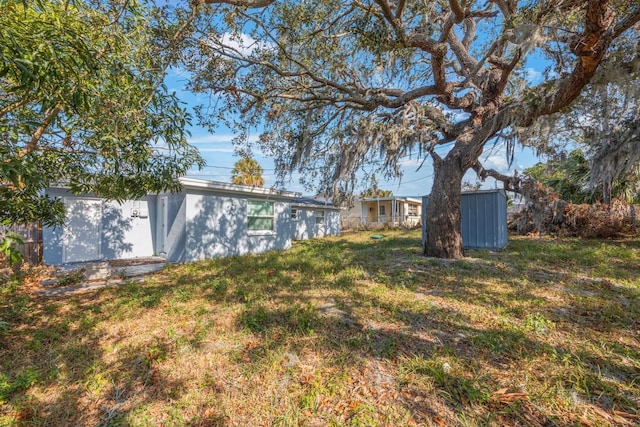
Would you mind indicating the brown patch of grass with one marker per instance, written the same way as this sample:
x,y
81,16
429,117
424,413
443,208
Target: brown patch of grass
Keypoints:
x,y
340,331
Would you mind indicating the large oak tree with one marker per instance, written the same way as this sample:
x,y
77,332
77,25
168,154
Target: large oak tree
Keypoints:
x,y
335,84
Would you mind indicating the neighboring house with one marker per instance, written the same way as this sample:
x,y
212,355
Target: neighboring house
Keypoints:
x,y
378,212
312,218
483,219
206,219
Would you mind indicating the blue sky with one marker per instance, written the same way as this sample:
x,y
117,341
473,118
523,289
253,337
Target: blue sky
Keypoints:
x,y
218,151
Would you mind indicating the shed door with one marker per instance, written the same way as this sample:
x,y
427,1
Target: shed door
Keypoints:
x,y
81,241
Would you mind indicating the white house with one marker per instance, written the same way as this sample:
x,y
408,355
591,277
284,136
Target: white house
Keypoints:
x,y
312,218
380,211
206,219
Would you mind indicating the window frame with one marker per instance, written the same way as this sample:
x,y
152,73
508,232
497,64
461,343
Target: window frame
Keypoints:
x,y
382,210
271,217
294,214
323,216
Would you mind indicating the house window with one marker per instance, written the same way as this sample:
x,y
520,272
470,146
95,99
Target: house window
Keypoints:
x,y
294,213
319,217
382,210
413,210
260,215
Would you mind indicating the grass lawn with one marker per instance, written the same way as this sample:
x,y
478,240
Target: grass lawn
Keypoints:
x,y
339,331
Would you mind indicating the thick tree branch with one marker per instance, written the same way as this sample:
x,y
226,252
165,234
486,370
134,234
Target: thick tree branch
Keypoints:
x,y
589,47
46,122
458,12
462,53
395,20
511,183
9,108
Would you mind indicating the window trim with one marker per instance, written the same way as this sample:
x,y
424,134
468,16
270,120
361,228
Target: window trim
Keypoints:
x,y
262,231
382,210
295,214
323,216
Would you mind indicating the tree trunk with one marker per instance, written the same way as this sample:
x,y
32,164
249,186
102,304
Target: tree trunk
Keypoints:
x,y
442,222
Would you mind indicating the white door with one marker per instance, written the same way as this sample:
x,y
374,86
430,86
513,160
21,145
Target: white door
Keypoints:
x,y
82,230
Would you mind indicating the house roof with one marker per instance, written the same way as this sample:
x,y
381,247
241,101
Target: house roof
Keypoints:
x,y
387,199
226,187
312,203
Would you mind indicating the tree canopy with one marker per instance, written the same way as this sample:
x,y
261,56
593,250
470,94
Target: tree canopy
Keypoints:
x,y
374,191
247,171
334,85
568,177
82,103
603,124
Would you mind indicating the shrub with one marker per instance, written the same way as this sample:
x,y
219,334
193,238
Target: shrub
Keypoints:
x,y
576,220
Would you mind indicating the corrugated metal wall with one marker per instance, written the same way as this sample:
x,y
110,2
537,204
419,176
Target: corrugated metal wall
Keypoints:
x,y
484,219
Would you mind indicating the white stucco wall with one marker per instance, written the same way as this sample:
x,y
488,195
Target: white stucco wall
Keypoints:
x,y
110,232
171,235
305,226
217,226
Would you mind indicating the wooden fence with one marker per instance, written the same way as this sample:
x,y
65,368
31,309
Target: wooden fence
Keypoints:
x,y
32,237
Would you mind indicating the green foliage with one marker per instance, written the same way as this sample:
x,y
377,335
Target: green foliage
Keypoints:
x,y
603,124
375,192
71,278
8,248
538,323
255,319
20,383
451,383
569,177
82,104
247,171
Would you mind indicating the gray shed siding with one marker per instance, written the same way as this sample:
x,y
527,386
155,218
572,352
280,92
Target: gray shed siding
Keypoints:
x,y
106,230
305,226
483,219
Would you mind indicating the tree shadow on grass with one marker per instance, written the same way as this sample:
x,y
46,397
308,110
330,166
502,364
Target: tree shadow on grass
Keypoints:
x,y
58,341
330,298
349,344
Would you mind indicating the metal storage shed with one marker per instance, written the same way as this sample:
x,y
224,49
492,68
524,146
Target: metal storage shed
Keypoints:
x,y
484,219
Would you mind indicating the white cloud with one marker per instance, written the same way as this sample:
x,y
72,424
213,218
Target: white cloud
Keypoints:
x,y
497,161
215,149
533,76
412,162
217,139
241,43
